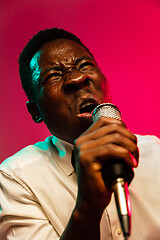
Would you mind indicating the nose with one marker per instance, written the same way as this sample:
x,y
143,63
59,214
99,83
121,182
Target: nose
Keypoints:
x,y
76,80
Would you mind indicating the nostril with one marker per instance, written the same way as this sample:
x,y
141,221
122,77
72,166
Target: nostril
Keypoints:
x,y
70,87
74,83
85,81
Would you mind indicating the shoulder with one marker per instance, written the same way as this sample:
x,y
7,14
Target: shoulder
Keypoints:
x,y
147,178
29,155
149,146
34,162
46,155
144,139
149,152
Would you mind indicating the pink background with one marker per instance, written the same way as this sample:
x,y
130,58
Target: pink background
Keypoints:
x,y
123,35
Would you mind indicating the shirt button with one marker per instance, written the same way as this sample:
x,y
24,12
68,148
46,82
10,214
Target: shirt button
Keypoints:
x,y
119,231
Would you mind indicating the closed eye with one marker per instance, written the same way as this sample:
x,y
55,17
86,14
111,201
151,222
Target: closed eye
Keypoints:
x,y
53,77
85,65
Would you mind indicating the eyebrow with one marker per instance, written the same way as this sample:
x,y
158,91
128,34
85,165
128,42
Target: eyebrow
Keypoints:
x,y
49,69
83,58
58,69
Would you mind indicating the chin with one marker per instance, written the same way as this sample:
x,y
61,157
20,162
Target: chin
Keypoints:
x,y
83,126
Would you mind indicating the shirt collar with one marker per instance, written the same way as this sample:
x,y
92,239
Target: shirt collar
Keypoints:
x,y
62,155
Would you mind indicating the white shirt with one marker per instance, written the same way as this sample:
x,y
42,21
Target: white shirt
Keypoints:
x,y
38,191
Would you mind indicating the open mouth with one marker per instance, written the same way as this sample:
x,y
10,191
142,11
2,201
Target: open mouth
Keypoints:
x,y
86,108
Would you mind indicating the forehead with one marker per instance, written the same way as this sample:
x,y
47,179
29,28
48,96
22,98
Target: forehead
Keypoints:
x,y
61,50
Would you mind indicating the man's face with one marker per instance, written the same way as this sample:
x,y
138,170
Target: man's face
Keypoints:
x,y
69,86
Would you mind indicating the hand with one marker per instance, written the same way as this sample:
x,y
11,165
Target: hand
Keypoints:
x,y
106,140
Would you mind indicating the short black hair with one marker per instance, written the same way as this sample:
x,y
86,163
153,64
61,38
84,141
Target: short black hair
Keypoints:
x,y
32,47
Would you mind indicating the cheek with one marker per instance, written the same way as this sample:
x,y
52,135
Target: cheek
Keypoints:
x,y
51,90
50,94
106,91
103,86
101,81
49,99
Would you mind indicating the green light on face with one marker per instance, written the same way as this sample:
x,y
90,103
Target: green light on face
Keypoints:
x,y
34,65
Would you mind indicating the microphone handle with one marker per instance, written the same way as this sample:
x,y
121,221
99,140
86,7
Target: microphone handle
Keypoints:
x,y
117,175
114,176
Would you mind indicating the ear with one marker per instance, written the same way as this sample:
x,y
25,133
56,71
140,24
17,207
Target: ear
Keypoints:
x,y
34,111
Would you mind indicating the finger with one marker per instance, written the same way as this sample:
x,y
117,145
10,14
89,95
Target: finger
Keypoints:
x,y
103,121
114,138
108,152
106,130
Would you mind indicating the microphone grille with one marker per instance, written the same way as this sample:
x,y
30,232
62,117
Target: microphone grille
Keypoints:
x,y
107,110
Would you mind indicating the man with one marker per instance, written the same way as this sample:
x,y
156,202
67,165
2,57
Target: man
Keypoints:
x,y
42,195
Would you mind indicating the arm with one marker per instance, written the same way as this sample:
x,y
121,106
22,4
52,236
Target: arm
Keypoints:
x,y
107,139
21,216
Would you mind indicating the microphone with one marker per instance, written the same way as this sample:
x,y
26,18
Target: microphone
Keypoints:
x,y
117,175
